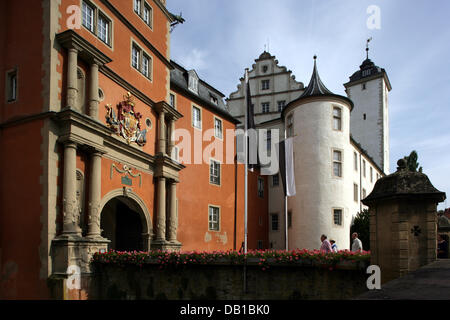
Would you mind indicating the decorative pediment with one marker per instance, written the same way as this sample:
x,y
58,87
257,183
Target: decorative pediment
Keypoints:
x,y
127,122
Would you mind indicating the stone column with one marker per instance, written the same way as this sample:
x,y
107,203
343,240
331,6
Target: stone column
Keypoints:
x,y
72,87
95,184
173,218
162,133
161,214
171,136
93,91
71,211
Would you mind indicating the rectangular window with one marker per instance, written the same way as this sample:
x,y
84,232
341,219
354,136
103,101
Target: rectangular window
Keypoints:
x,y
265,106
275,180
364,168
265,84
260,220
172,100
260,245
274,221
196,118
218,128
175,154
337,217
103,29
355,192
260,187
371,174
337,163
337,117
135,57
355,158
214,100
145,65
214,172
146,14
281,105
269,142
290,126
137,6
11,86
214,218
87,13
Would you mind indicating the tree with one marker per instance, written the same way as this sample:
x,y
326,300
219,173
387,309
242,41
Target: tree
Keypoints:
x,y
411,162
361,225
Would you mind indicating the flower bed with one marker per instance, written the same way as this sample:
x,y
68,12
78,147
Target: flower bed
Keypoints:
x,y
262,258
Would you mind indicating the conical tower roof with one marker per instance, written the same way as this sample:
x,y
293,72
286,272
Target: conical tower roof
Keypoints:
x,y
315,86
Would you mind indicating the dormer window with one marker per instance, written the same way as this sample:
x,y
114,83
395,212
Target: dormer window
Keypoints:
x,y
214,100
264,68
193,81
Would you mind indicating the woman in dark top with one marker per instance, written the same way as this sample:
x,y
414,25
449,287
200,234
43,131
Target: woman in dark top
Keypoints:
x,y
442,248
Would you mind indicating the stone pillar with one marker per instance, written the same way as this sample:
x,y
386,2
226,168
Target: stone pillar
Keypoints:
x,y
161,214
162,133
403,222
171,136
72,87
173,218
93,91
71,211
95,184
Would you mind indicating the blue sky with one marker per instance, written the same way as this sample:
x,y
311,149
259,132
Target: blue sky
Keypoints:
x,y
221,38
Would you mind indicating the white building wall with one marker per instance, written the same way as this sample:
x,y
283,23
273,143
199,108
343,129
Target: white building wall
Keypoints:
x,y
369,119
318,191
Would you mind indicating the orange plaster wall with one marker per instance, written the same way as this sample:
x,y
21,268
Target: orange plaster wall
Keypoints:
x,y
20,212
120,51
145,191
21,46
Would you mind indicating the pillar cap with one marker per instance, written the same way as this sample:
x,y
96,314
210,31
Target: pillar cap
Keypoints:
x,y
404,184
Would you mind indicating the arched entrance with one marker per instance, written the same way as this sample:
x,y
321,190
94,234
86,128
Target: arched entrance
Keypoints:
x,y
125,222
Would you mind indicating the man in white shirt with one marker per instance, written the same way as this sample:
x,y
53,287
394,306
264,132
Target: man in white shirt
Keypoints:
x,y
357,244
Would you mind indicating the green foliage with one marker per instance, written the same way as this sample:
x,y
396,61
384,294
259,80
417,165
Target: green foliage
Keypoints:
x,y
361,225
411,162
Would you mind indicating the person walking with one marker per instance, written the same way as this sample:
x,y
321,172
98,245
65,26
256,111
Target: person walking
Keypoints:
x,y
357,244
442,246
326,245
334,247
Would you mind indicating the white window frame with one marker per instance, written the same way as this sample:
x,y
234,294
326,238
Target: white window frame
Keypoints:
x,y
215,172
213,218
265,84
340,218
281,105
337,118
145,11
137,60
338,162
265,107
94,21
277,180
218,134
355,192
11,86
172,100
196,123
355,160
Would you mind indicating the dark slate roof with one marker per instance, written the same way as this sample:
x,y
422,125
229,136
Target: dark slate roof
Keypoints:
x,y
315,86
404,184
265,56
179,78
366,69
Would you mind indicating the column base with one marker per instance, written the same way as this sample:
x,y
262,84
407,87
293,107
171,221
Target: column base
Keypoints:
x,y
166,245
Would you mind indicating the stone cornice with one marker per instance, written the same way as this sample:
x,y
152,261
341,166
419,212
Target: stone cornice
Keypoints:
x,y
126,85
171,113
70,39
70,119
167,168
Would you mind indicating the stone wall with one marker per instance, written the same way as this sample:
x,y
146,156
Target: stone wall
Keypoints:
x,y
225,282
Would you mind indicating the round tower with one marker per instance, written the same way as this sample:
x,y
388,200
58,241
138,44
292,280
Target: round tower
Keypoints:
x,y
319,123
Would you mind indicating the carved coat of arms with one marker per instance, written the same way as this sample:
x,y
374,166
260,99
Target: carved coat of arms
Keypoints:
x,y
127,122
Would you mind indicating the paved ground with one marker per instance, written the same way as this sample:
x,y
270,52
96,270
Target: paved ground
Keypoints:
x,y
431,282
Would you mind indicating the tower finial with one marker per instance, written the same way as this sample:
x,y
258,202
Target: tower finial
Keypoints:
x,y
367,47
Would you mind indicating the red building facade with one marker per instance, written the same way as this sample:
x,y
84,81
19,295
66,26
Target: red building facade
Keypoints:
x,y
90,113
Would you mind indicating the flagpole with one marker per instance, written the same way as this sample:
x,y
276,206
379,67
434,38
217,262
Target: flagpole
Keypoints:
x,y
246,163
286,208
